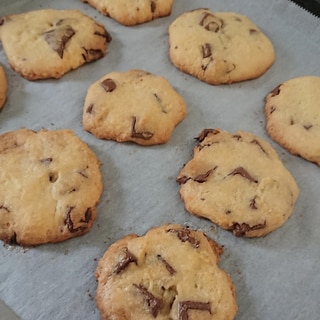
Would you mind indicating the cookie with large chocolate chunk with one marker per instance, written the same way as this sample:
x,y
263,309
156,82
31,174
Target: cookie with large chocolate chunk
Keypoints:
x,y
134,106
50,184
169,273
238,182
292,110
221,47
132,12
48,43
3,88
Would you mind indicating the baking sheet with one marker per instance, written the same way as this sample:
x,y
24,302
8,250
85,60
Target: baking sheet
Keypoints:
x,y
276,277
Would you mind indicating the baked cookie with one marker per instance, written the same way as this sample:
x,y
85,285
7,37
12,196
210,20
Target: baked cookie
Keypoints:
x,y
133,106
132,12
217,48
144,278
3,88
48,43
50,184
238,182
292,110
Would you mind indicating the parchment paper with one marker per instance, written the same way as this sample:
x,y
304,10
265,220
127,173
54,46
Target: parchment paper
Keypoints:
x,y
276,277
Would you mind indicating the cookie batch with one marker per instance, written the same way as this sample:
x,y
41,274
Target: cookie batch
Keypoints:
x,y
236,180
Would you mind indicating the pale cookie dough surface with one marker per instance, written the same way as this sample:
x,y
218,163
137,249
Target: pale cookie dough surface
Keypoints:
x,y
50,184
221,47
3,88
132,12
238,182
49,43
292,110
134,106
169,273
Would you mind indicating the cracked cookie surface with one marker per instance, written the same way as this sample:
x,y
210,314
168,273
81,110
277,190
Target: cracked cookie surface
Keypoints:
x,y
49,186
134,106
3,88
48,43
132,12
169,273
238,182
221,47
292,111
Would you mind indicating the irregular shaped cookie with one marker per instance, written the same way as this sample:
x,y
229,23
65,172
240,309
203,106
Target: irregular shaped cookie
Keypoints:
x,y
133,106
48,43
238,182
169,273
217,48
132,12
50,184
3,88
292,110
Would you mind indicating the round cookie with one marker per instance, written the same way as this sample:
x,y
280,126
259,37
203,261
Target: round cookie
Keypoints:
x,y
143,278
50,184
238,182
218,48
292,111
132,12
134,106
3,88
48,43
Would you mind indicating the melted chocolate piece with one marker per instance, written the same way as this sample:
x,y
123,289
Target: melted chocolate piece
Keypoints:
x,y
253,203
204,67
163,107
239,230
105,35
185,306
69,223
153,6
184,235
108,85
210,22
166,264
308,127
183,179
253,31
90,108
46,161
125,261
145,135
206,50
275,91
53,177
92,54
154,303
255,141
2,207
243,173
87,216
237,136
13,240
205,133
83,173
58,38
204,177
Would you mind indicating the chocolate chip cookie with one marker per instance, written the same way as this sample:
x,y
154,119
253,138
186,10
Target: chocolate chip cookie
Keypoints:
x,y
292,110
132,12
135,106
50,184
238,182
3,88
169,273
221,47
48,43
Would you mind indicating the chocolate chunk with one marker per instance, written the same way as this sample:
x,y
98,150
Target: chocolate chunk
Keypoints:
x,y
204,177
83,173
272,109
163,107
308,127
206,50
2,207
243,173
255,141
205,133
275,91
239,230
183,179
237,136
125,261
185,306
58,38
105,35
154,303
204,67
53,177
253,204
145,135
166,264
253,31
13,239
108,85
210,22
184,235
87,216
153,6
92,54
46,161
69,223
90,108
